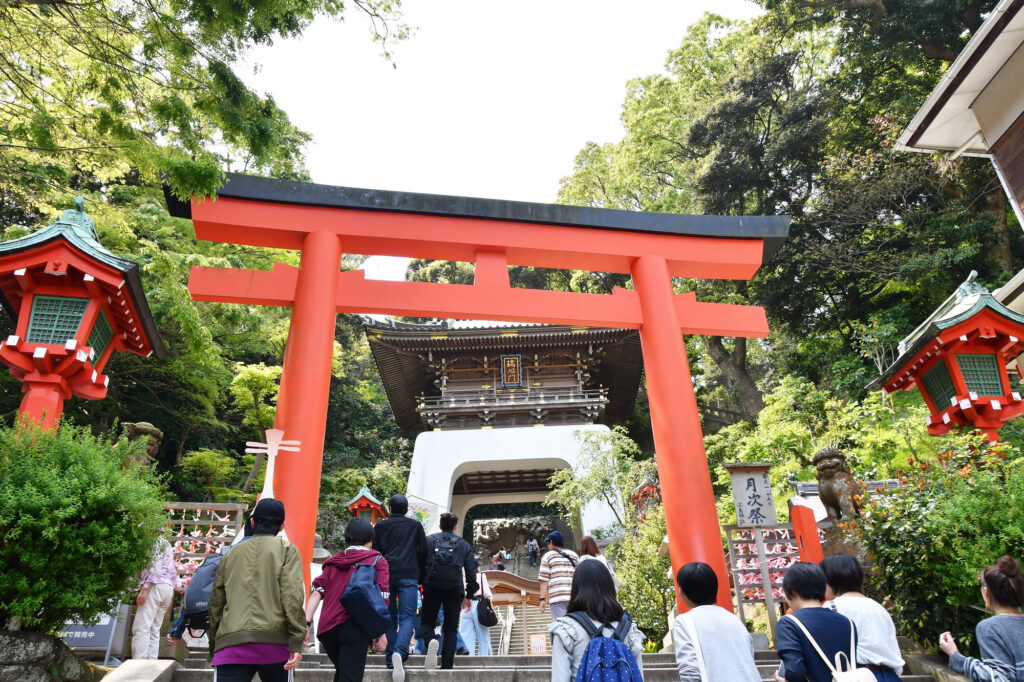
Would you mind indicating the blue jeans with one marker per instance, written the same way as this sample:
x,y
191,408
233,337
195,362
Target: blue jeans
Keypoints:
x,y
404,594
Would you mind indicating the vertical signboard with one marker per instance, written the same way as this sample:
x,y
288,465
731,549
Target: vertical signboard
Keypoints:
x,y
511,371
752,494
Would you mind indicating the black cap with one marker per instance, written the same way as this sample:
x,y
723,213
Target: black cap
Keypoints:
x,y
268,509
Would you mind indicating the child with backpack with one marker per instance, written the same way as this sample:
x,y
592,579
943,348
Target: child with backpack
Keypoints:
x,y
596,639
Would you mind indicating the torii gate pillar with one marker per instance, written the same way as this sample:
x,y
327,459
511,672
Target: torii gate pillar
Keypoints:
x,y
306,385
675,420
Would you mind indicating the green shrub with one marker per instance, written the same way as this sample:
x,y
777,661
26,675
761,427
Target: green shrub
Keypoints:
x,y
77,524
931,539
213,468
648,592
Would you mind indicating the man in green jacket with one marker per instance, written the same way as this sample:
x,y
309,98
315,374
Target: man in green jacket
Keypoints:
x,y
257,622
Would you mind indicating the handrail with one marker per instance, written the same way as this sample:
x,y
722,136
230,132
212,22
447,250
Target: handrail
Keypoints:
x,y
506,631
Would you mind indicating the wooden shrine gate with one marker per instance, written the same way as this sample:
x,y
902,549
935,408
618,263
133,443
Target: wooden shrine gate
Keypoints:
x,y
323,222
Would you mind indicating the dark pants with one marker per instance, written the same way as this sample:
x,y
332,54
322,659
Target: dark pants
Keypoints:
x,y
451,602
271,672
346,645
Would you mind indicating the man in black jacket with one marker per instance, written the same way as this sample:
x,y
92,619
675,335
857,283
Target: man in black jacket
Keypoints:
x,y
404,544
449,583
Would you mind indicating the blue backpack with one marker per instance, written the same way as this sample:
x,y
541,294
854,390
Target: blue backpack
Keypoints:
x,y
607,659
363,601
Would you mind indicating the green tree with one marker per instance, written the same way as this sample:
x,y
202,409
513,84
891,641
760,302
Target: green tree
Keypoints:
x,y
254,390
648,591
104,89
77,524
931,538
607,470
215,468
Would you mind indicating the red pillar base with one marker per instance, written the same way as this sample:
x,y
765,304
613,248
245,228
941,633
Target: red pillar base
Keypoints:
x,y
43,403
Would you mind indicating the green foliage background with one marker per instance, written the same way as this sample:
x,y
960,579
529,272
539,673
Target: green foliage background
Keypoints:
x,y
78,521
931,539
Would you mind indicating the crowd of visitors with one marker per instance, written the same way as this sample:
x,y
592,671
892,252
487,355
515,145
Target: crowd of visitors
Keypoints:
x,y
393,585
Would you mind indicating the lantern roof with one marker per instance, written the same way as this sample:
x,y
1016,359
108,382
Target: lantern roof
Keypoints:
x,y
76,228
969,299
364,492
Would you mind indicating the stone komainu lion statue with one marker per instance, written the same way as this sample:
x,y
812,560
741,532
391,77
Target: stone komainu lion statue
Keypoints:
x,y
153,436
838,490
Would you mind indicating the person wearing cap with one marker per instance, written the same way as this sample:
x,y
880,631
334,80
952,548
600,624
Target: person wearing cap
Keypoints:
x,y
557,567
403,543
257,622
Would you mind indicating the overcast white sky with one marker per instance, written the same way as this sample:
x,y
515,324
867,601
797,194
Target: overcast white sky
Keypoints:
x,y
489,99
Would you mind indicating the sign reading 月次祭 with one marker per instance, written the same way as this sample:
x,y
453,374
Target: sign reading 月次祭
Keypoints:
x,y
752,494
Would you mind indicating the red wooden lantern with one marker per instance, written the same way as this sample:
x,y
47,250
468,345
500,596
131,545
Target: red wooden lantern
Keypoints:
x,y
74,303
958,359
366,506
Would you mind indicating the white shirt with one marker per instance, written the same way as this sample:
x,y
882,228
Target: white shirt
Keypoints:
x,y
725,643
876,634
600,558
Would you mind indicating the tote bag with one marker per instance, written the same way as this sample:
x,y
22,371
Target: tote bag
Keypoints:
x,y
364,602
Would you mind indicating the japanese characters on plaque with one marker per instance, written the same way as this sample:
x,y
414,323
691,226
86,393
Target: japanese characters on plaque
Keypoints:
x,y
511,371
752,493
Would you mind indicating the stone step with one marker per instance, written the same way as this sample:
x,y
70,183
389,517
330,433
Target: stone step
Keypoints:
x,y
460,674
316,667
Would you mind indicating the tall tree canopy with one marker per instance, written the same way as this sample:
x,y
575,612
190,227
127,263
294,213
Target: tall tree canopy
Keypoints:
x,y
103,89
796,113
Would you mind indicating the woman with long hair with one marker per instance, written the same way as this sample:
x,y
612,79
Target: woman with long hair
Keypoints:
x,y
1001,637
592,598
344,642
590,550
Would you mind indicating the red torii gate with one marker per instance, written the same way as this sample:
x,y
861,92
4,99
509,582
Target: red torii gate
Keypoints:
x,y
323,222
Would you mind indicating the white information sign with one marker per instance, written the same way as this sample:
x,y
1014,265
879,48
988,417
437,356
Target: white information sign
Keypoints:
x,y
538,645
752,493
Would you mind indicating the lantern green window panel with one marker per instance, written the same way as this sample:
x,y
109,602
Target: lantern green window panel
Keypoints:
x,y
101,334
939,386
981,373
55,319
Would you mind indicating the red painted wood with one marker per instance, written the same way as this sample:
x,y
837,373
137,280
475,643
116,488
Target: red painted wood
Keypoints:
x,y
690,515
305,387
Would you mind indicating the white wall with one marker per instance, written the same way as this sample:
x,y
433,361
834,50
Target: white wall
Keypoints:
x,y
441,457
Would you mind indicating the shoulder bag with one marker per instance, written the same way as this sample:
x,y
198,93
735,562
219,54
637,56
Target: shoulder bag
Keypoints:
x,y
840,673
691,630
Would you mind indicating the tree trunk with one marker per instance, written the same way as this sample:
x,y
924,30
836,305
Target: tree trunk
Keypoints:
x,y
734,369
253,473
997,246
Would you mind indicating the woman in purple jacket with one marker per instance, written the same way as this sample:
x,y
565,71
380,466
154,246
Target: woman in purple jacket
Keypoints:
x,y
344,642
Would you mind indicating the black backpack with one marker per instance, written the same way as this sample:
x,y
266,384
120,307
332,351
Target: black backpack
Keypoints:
x,y
196,604
444,565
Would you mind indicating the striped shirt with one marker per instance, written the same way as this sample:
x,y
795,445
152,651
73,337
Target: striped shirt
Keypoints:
x,y
557,572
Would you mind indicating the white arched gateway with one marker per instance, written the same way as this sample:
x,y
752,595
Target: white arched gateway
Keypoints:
x,y
500,407
457,470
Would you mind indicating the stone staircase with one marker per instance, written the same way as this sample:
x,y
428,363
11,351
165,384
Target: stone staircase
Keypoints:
x,y
317,668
